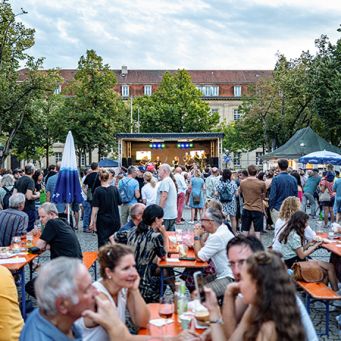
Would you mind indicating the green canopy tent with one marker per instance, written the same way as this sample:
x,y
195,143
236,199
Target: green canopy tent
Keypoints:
x,y
303,142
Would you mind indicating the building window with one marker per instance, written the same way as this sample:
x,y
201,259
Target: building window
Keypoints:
x,y
259,160
209,90
236,115
125,90
236,158
237,91
214,110
147,90
58,157
58,90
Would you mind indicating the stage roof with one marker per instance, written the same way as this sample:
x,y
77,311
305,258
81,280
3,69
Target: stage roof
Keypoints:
x,y
169,136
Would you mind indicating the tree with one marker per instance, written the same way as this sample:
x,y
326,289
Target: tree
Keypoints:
x,y
279,106
16,97
176,106
326,86
38,131
92,111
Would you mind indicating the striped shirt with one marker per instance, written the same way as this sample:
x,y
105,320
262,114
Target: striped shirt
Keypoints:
x,y
12,223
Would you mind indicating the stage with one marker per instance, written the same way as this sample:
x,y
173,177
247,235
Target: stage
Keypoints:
x,y
172,148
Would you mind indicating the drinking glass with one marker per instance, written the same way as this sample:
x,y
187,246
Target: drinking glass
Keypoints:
x,y
166,309
16,241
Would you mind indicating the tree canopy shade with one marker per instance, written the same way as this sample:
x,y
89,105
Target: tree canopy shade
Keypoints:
x,y
16,97
93,111
305,91
303,142
176,106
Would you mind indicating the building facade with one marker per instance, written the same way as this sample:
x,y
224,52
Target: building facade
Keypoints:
x,y
221,89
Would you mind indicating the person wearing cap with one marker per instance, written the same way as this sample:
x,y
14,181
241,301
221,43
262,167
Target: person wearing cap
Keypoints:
x,y
17,173
308,191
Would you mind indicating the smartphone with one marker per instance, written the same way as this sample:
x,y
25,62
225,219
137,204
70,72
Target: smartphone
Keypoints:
x,y
199,285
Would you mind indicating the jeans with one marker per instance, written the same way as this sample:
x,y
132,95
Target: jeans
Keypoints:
x,y
32,215
169,224
87,214
309,197
180,205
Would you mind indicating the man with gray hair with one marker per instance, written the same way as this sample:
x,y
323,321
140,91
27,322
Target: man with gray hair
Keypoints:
x,y
59,235
135,212
166,197
214,248
13,221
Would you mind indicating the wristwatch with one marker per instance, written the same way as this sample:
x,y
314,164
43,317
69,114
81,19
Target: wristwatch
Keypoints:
x,y
196,238
217,321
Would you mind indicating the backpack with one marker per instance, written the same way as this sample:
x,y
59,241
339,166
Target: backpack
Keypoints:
x,y
126,193
5,200
224,194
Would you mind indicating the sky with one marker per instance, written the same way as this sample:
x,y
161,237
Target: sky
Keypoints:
x,y
173,34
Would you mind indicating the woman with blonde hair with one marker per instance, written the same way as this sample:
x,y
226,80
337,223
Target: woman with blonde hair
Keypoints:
x,y
105,218
289,206
149,190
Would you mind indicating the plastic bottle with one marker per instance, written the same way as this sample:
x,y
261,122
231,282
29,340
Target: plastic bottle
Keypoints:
x,y
182,300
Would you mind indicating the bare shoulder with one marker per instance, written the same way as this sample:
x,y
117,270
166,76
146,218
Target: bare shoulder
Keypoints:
x,y
267,332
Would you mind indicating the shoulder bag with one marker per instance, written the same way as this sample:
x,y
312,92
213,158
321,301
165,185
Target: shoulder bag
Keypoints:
x,y
309,271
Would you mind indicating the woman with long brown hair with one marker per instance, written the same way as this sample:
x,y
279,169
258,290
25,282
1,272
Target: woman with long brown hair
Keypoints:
x,y
293,249
273,313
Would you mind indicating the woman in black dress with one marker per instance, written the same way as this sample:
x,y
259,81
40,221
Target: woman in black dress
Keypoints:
x,y
105,218
149,241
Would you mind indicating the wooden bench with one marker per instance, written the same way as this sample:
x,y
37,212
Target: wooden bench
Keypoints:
x,y
89,260
319,292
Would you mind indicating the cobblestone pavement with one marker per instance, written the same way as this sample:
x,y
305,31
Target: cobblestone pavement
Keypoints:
x,y
89,243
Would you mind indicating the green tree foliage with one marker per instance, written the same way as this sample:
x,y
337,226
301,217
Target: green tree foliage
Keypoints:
x,y
303,92
38,132
326,87
16,97
176,106
93,111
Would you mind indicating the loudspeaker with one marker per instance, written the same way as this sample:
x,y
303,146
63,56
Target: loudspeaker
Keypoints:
x,y
124,162
214,162
129,161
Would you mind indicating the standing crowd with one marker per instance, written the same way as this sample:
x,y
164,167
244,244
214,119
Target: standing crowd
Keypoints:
x,y
249,292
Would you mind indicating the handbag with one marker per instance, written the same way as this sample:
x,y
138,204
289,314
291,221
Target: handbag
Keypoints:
x,y
196,199
325,196
309,271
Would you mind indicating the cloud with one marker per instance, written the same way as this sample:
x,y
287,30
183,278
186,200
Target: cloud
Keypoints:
x,y
192,34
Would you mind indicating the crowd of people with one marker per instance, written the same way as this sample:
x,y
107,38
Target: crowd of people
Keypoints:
x,y
249,292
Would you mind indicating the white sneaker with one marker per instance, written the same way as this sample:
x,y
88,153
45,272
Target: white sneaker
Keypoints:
x,y
191,222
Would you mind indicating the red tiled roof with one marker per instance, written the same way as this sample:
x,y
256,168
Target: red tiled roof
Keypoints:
x,y
198,76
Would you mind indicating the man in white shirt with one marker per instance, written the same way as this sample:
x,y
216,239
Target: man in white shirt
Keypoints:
x,y
214,248
167,197
182,188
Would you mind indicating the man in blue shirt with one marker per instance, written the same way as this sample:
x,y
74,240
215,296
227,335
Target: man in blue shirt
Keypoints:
x,y
337,204
129,191
65,292
309,190
283,185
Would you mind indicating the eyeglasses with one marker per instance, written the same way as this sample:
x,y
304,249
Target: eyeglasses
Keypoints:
x,y
206,220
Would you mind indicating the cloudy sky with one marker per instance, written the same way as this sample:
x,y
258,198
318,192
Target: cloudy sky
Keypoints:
x,y
171,34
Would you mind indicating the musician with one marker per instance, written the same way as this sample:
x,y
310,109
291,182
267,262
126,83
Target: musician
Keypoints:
x,y
175,161
157,162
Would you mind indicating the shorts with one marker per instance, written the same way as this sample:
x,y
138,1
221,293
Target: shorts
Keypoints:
x,y
328,203
255,217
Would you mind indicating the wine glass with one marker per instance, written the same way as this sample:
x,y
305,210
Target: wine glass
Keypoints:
x,y
166,308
